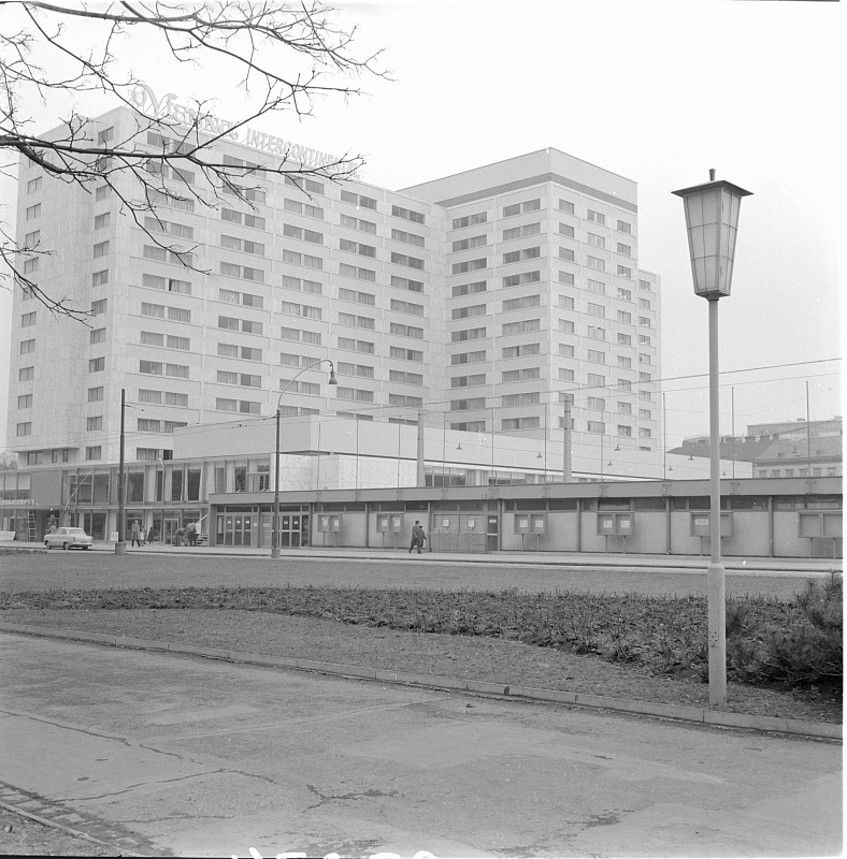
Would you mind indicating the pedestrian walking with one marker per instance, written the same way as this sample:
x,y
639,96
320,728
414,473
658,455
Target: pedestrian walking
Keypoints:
x,y
191,533
418,537
135,532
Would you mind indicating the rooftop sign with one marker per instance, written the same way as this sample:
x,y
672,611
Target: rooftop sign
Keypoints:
x,y
167,107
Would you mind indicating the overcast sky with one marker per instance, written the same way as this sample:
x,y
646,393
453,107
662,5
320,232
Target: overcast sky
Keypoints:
x,y
656,91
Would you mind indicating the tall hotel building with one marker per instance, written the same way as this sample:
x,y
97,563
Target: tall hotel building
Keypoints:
x,y
483,300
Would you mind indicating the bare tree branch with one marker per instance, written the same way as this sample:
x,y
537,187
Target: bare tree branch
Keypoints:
x,y
284,56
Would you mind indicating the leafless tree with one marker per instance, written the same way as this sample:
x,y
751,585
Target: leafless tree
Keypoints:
x,y
8,460
284,55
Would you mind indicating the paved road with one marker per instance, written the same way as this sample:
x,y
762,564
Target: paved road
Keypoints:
x,y
204,758
25,571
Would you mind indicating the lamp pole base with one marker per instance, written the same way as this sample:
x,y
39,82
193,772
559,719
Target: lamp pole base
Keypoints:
x,y
275,552
716,598
120,547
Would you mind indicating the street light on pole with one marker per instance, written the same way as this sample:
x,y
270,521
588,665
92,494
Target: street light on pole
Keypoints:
x,y
711,220
289,383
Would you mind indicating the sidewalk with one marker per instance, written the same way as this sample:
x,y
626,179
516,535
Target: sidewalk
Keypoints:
x,y
737,565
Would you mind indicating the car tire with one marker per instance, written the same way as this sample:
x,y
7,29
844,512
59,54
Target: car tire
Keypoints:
x,y
64,545
86,548
47,543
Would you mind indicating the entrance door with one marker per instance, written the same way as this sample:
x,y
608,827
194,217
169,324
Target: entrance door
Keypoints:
x,y
169,528
492,533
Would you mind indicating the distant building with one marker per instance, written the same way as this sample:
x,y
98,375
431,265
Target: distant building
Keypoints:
x,y
782,449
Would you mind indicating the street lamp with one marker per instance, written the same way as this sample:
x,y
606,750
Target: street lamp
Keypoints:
x,y
711,219
332,381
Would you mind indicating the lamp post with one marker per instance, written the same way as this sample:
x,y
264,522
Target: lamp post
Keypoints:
x,y
120,546
711,220
332,381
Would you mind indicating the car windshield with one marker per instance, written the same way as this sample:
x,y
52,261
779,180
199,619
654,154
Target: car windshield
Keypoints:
x,y
75,531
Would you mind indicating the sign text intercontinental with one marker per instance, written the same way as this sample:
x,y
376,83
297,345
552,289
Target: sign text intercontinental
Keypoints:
x,y
168,107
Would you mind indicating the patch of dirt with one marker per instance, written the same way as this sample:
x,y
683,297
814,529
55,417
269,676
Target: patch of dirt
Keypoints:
x,y
468,657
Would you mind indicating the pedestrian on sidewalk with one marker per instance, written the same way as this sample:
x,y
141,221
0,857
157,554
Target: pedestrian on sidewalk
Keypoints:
x,y
418,537
135,531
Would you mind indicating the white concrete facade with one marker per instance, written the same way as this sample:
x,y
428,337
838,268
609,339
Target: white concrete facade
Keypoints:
x,y
481,326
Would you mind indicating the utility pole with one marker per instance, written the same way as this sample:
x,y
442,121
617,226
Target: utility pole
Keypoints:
x,y
566,453
120,546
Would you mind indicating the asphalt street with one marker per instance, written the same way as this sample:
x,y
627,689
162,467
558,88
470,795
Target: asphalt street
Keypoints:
x,y
141,568
197,757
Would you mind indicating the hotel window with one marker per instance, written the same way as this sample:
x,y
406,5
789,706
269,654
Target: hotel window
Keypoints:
x,y
101,220
524,254
96,365
357,394
645,432
151,338
596,310
644,377
624,250
182,343
596,403
26,374
150,368
225,405
100,278
33,211
566,302
525,375
596,286
407,307
596,357
101,249
405,283
624,340
644,303
523,277
645,415
93,424
566,326
468,357
25,401
467,404
467,334
95,395
596,263
521,350
405,354
405,378
624,316
145,395
521,303
520,423
624,408
566,277
521,327
33,185
596,217
98,335
566,206
517,232
403,259
624,294
365,371
358,273
644,284
624,430
643,340
176,371
32,240
102,193
624,362
566,350
182,314
624,271
31,265
469,288
529,398
356,297
471,242
350,320
469,265
93,452
358,200
150,252
467,381
566,374
566,230
596,426
28,319
522,208
470,220
624,227
407,214
624,385
595,380
468,312
566,254
596,241
408,238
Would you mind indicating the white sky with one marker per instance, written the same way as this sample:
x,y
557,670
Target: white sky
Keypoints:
x,y
656,91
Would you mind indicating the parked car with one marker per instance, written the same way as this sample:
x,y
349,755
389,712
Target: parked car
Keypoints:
x,y
68,538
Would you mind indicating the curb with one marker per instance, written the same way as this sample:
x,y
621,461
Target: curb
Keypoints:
x,y
697,715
